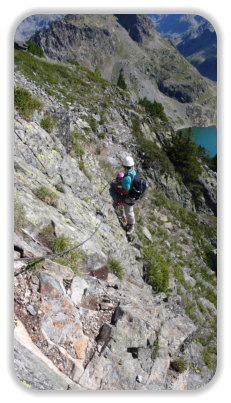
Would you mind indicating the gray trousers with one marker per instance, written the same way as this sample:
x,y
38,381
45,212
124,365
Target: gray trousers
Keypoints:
x,y
129,212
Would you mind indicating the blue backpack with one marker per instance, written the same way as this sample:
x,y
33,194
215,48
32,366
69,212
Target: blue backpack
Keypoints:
x,y
138,186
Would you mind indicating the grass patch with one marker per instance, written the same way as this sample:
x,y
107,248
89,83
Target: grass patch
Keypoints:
x,y
178,273
58,244
48,123
157,270
69,81
25,103
178,366
207,359
46,195
115,267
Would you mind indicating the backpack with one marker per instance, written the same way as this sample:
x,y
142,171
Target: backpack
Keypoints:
x,y
138,186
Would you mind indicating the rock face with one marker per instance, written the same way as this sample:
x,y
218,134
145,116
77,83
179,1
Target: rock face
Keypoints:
x,y
151,65
92,319
193,36
105,340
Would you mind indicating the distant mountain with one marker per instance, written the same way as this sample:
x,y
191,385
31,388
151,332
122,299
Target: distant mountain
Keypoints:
x,y
151,66
193,36
34,23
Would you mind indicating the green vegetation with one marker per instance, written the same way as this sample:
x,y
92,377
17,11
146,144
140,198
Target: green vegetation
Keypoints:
x,y
47,196
156,349
184,154
153,156
25,103
154,109
178,365
48,123
92,122
121,81
60,188
68,82
34,48
19,215
157,269
58,244
86,173
207,358
115,267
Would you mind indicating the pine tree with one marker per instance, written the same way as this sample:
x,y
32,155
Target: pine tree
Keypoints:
x,y
183,152
121,81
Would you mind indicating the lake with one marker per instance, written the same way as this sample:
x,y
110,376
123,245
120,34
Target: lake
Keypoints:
x,y
206,137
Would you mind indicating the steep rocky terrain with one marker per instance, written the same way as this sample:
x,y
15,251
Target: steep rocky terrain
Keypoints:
x,y
152,67
193,36
114,313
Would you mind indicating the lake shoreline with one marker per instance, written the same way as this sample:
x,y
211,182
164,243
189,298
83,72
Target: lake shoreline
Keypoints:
x,y
205,136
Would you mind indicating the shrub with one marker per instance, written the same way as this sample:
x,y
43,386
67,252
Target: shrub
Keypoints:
x,y
34,48
154,109
121,81
47,123
92,122
157,270
178,365
60,243
152,155
115,267
25,103
78,149
183,152
47,196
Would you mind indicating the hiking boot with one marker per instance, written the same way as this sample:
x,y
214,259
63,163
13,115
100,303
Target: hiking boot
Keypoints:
x,y
130,229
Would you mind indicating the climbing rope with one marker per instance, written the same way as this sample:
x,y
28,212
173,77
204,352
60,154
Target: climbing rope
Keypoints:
x,y
74,247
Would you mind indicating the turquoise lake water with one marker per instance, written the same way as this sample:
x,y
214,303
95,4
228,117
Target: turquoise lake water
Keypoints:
x,y
206,137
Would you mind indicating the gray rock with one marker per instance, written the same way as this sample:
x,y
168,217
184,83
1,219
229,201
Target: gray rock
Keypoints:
x,y
146,232
31,310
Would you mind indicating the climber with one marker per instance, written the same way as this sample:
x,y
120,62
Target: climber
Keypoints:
x,y
116,186
119,179
128,202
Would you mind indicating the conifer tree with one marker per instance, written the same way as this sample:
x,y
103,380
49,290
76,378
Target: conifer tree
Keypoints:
x,y
183,152
121,81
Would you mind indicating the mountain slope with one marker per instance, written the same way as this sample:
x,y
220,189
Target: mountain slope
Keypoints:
x,y
115,313
151,66
193,36
34,23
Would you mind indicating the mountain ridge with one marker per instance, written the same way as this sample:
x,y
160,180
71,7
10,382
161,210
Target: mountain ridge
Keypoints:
x,y
151,68
194,37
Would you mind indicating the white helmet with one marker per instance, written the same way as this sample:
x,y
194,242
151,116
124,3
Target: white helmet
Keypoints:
x,y
128,162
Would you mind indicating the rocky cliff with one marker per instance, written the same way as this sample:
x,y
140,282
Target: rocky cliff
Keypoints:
x,y
152,67
113,313
193,36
